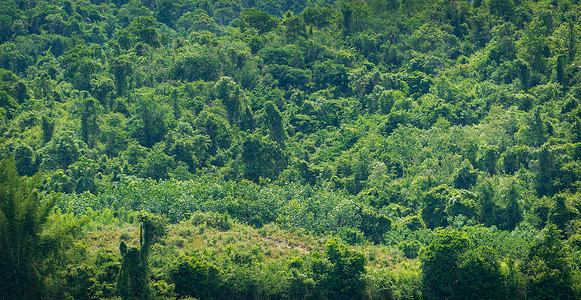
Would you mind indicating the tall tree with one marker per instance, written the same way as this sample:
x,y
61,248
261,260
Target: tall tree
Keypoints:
x,y
22,216
440,264
538,129
229,92
513,211
275,123
544,181
88,111
434,206
548,267
132,281
122,69
149,124
488,209
479,275
488,159
262,158
47,126
261,21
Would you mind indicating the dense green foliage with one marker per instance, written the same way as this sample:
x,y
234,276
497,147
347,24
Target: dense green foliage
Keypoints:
x,y
445,135
27,251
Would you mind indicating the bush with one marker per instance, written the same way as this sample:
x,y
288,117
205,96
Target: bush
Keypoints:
x,y
347,266
351,236
212,219
191,276
410,249
412,223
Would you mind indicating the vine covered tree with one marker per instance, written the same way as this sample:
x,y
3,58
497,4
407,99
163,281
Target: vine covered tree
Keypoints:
x,y
133,278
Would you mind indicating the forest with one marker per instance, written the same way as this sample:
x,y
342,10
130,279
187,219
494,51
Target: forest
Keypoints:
x,y
290,149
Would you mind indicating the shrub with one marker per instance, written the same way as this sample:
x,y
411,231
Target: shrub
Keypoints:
x,y
351,236
410,249
212,219
190,275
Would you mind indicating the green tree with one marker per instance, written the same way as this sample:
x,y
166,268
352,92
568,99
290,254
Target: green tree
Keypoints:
x,y
571,37
63,150
465,177
513,214
133,155
88,111
319,16
82,174
295,26
216,128
7,103
388,98
488,210
20,92
534,45
59,182
462,203
133,281
229,92
434,205
548,267
149,122
194,277
347,13
561,79
307,173
374,225
122,68
101,87
561,213
183,149
514,158
441,265
113,135
502,8
192,66
142,29
197,20
488,160
47,127
576,130
479,275
544,177
25,160
275,123
82,69
262,158
157,164
23,250
538,129
167,12
344,279
259,20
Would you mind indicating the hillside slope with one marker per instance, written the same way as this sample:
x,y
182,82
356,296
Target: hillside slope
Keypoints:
x,y
398,128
